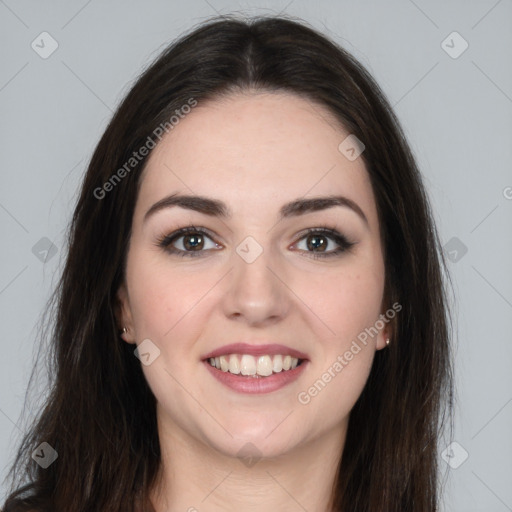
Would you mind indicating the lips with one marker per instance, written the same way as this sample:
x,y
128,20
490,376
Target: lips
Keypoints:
x,y
277,366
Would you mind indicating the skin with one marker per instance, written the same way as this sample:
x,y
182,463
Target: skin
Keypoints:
x,y
255,152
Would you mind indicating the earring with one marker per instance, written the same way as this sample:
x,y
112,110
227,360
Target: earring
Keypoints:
x,y
387,341
124,331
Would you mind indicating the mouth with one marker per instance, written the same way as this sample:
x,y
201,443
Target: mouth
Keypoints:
x,y
249,368
247,365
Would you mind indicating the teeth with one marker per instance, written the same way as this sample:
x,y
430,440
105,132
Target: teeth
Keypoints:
x,y
278,363
234,364
249,365
224,363
264,366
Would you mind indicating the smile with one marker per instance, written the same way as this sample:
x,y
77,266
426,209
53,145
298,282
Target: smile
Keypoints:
x,y
254,366
251,368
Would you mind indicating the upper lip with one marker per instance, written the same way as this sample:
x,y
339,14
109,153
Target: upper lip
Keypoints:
x,y
255,350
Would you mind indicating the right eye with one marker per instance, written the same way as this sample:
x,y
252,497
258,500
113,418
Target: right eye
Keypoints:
x,y
191,239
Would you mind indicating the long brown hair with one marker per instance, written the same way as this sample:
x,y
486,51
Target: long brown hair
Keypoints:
x,y
100,414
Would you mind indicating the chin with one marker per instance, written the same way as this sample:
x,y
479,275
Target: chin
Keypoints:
x,y
261,440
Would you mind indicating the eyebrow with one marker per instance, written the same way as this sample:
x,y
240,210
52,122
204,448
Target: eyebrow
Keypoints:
x,y
216,208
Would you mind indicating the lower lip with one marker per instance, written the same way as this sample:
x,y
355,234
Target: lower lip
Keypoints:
x,y
248,384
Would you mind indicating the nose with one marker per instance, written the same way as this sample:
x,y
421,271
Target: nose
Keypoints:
x,y
256,292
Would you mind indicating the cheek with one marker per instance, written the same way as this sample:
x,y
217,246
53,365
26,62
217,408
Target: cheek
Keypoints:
x,y
161,296
347,301
166,308
345,357
334,392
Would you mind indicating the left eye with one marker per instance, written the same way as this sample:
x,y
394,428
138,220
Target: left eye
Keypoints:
x,y
322,243
317,242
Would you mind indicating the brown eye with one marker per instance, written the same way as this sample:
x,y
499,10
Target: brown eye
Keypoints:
x,y
193,242
324,243
316,242
188,241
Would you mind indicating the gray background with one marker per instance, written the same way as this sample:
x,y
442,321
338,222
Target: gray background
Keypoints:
x,y
456,112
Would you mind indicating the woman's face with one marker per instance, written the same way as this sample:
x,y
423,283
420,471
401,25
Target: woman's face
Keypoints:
x,y
255,275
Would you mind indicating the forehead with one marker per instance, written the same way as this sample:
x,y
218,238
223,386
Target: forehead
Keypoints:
x,y
250,149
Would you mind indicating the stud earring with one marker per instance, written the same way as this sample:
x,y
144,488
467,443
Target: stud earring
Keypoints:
x,y
124,331
387,341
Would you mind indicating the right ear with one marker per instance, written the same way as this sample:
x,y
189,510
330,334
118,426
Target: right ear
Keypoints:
x,y
124,314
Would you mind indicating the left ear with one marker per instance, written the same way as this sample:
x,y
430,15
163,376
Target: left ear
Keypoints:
x,y
386,333
383,336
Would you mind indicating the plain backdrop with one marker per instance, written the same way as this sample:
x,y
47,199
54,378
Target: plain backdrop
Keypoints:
x,y
444,66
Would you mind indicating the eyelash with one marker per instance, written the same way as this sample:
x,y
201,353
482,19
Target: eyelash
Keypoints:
x,y
344,244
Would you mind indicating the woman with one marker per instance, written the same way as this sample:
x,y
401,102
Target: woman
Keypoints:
x,y
252,313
